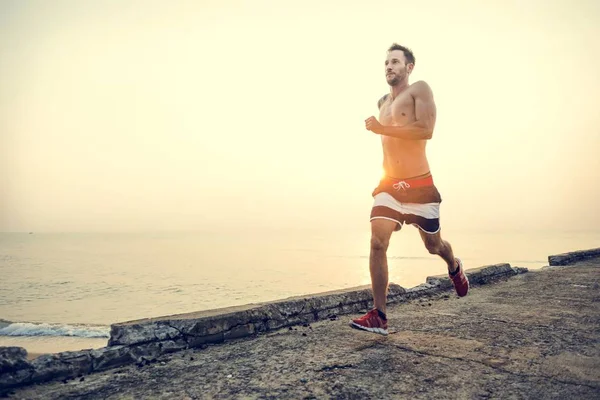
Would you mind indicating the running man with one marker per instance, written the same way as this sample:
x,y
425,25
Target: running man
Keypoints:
x,y
406,194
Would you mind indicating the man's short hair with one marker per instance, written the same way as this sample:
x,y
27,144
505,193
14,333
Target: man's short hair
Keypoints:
x,y
408,54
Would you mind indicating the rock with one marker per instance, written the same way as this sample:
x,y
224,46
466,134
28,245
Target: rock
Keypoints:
x,y
481,275
572,257
136,333
170,346
520,270
239,332
147,351
13,359
199,341
15,378
422,290
67,364
490,272
216,326
439,281
112,356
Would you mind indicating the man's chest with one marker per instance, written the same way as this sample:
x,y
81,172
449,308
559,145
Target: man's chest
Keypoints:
x,y
399,111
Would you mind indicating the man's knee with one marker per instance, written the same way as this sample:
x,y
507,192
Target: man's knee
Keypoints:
x,y
379,242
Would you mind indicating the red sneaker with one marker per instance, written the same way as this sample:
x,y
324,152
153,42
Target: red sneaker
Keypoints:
x,y
460,281
371,322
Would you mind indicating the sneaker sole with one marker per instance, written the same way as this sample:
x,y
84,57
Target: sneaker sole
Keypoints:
x,y
380,331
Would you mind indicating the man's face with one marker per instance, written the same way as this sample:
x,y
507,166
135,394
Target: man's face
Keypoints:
x,y
396,69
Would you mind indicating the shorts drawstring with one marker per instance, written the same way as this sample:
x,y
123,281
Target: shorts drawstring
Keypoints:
x,y
401,185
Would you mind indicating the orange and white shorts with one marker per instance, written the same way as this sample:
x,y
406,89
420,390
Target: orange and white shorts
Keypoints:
x,y
414,201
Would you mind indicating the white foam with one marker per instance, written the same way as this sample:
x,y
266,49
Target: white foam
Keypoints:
x,y
31,329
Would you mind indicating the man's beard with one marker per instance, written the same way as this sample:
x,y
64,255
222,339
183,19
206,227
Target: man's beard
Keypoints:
x,y
395,80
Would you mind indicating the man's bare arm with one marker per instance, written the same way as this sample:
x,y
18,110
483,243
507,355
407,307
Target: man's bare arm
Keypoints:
x,y
425,113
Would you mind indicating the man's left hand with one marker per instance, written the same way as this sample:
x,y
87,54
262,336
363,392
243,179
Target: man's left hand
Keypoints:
x,y
373,125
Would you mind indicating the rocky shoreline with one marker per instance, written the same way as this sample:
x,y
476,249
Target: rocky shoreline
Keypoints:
x,y
147,344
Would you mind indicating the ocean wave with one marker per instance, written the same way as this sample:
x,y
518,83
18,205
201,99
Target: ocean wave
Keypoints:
x,y
42,329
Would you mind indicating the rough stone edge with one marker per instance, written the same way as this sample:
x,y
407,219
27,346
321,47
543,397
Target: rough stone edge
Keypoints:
x,y
478,276
75,364
69,365
572,257
262,317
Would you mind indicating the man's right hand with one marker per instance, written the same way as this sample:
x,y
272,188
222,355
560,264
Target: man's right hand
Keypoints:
x,y
373,125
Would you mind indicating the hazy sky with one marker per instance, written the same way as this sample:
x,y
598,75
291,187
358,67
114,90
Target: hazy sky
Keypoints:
x,y
138,115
